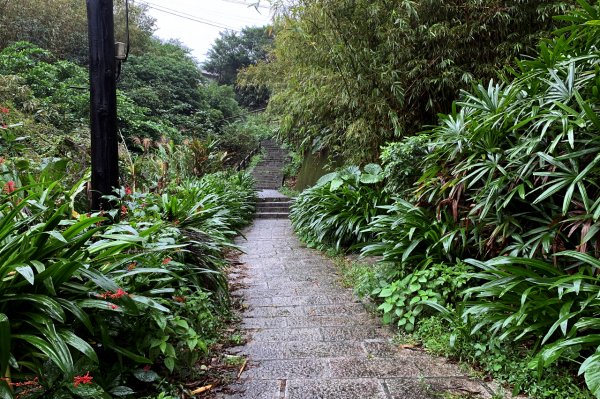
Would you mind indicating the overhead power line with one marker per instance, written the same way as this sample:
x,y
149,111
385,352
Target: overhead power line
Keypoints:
x,y
257,4
187,16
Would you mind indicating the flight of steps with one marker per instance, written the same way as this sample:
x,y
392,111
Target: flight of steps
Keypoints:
x,y
269,178
269,172
272,206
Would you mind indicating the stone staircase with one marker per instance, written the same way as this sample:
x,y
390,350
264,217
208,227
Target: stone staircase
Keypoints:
x,y
272,205
269,172
269,178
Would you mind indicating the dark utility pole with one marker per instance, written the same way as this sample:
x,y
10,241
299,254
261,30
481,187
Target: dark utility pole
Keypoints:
x,y
103,95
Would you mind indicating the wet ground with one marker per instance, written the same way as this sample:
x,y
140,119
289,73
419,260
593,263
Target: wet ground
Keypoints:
x,y
308,337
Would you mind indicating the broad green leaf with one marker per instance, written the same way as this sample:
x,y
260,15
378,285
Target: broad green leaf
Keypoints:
x,y
27,273
79,344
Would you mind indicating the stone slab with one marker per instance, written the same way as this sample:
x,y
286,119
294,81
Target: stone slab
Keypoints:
x,y
300,350
253,389
286,369
286,334
373,368
335,389
435,388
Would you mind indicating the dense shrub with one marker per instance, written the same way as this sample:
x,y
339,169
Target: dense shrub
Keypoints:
x,y
402,162
84,295
512,176
338,208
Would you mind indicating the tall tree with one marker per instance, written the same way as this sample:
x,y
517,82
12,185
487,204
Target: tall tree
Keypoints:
x,y
234,51
349,75
60,26
167,81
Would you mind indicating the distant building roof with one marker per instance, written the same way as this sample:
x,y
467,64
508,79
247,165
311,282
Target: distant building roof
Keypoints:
x,y
210,75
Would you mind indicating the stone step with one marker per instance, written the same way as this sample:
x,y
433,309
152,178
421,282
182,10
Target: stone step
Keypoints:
x,y
274,199
259,180
271,215
274,209
274,204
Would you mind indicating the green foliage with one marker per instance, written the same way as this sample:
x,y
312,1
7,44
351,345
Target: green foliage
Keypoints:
x,y
406,299
163,95
79,294
240,137
413,237
50,84
513,171
61,26
168,84
234,51
338,208
505,362
539,302
349,75
402,165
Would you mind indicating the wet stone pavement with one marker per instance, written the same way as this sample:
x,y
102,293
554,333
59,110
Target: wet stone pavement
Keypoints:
x,y
308,337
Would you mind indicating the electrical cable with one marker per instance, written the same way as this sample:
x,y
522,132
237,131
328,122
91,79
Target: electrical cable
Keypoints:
x,y
187,16
257,5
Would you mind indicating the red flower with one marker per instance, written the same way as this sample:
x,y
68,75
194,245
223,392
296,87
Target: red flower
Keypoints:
x,y
123,210
119,293
82,379
4,110
9,187
128,190
113,306
166,261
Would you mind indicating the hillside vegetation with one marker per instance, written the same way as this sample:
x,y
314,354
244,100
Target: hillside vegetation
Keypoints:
x,y
132,301
488,221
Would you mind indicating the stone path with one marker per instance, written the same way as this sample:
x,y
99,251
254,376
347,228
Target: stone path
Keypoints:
x,y
310,338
